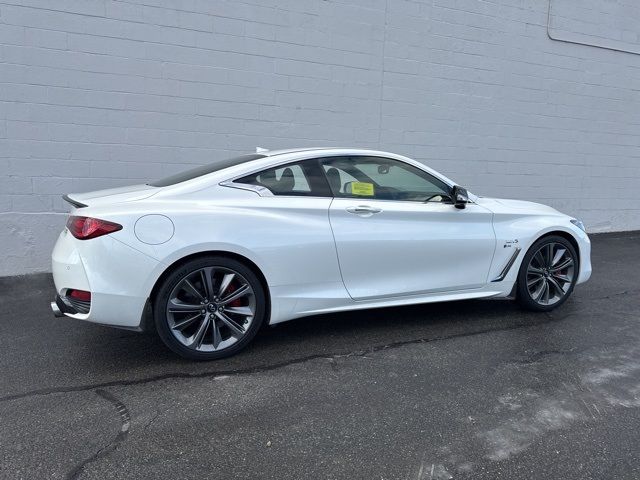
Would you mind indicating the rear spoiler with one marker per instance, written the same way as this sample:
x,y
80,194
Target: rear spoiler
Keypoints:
x,y
73,202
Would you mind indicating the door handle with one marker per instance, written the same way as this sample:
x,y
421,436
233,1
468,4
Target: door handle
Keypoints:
x,y
363,210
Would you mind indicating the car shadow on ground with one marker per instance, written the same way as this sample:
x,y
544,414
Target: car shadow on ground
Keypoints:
x,y
328,334
68,352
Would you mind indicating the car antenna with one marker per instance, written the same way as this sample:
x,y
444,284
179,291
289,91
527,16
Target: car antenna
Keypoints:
x,y
261,150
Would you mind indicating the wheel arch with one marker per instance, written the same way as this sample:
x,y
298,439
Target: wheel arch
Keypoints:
x,y
566,235
223,253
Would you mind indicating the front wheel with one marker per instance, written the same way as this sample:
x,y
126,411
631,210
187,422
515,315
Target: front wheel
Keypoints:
x,y
210,307
548,274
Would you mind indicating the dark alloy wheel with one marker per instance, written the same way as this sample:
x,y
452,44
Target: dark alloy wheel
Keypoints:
x,y
548,274
210,307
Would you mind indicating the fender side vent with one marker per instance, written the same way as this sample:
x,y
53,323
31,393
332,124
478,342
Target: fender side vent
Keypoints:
x,y
508,266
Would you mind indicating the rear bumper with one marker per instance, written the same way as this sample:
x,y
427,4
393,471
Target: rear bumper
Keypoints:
x,y
119,277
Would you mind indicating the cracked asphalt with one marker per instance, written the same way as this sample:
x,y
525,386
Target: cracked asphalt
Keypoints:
x,y
474,389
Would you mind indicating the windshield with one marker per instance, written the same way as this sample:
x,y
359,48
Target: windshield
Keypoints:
x,y
204,170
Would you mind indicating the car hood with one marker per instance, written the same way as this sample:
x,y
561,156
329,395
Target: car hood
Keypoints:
x,y
502,205
111,195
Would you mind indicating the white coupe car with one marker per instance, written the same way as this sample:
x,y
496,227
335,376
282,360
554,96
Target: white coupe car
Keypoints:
x,y
213,253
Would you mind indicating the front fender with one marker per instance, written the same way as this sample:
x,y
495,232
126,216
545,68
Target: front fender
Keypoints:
x,y
522,232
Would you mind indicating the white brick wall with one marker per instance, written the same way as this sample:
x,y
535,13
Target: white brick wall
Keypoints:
x,y
100,93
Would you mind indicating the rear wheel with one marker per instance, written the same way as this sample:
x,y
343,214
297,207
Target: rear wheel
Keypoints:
x,y
210,307
548,274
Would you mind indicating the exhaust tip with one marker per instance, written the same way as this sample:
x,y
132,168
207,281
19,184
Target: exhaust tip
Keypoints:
x,y
56,310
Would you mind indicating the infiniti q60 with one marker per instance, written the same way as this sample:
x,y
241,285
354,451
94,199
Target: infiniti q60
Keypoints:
x,y
208,256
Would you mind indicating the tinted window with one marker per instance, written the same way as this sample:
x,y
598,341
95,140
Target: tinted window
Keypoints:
x,y
204,170
300,178
383,179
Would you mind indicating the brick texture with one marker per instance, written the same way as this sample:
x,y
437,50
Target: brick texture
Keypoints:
x,y
101,93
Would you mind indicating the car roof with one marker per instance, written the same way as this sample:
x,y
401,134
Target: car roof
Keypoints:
x,y
284,151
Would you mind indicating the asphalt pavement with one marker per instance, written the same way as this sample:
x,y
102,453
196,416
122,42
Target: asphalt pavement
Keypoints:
x,y
476,389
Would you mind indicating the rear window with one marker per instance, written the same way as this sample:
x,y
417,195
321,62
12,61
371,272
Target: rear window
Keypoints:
x,y
204,170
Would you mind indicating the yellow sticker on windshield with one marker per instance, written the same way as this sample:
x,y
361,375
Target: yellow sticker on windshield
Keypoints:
x,y
362,188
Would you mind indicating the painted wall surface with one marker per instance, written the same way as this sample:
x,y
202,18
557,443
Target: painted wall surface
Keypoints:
x,y
505,96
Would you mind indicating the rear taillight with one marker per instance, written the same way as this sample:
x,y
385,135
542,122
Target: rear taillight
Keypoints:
x,y
84,228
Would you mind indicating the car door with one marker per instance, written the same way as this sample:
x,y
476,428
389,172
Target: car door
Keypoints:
x,y
397,233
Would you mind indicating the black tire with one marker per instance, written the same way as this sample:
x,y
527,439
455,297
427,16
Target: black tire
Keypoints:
x,y
161,315
523,295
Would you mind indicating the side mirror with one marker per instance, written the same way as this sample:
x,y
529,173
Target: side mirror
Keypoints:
x,y
460,197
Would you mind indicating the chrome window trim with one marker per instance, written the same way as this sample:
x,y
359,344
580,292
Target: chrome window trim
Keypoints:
x,y
260,190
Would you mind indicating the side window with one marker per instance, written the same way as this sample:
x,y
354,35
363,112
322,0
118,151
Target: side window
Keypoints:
x,y
382,179
337,174
302,179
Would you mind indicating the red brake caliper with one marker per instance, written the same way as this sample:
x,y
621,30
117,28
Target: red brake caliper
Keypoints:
x,y
237,302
